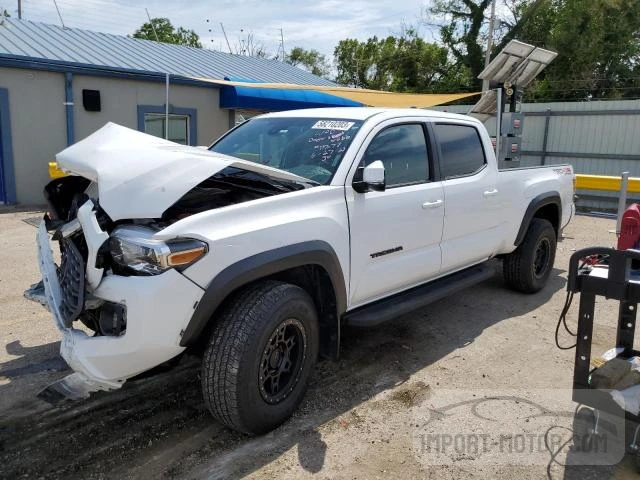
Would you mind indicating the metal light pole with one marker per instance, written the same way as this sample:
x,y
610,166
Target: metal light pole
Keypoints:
x,y
166,108
622,201
498,123
487,58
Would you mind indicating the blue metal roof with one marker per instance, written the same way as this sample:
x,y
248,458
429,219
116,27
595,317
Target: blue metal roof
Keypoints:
x,y
41,42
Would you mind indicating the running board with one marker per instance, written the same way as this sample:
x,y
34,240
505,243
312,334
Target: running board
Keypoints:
x,y
417,297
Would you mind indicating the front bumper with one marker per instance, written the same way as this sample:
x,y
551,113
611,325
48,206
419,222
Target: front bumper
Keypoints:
x,y
158,309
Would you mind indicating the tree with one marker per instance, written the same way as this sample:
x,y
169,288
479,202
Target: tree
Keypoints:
x,y
404,63
462,21
160,29
462,28
311,60
597,43
249,46
530,19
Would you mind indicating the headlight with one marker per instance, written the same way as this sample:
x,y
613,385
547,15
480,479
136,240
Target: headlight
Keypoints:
x,y
133,247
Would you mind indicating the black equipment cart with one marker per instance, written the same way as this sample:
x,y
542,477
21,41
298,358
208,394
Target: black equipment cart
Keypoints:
x,y
608,273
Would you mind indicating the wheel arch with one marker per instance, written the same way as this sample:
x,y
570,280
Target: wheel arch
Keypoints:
x,y
548,206
312,265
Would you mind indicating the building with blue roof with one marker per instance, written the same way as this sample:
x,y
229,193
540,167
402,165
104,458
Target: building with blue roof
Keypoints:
x,y
58,85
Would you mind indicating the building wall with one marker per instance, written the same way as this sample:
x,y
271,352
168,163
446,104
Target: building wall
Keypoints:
x,y
120,98
38,127
38,118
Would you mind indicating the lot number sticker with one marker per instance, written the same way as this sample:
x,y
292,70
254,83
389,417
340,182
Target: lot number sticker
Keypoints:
x,y
332,125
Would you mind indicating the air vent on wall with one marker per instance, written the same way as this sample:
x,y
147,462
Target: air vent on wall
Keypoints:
x,y
91,100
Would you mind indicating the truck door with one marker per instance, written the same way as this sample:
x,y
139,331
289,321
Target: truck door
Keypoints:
x,y
395,233
471,198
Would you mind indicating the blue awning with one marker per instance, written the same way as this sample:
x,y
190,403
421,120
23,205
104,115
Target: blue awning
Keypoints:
x,y
273,99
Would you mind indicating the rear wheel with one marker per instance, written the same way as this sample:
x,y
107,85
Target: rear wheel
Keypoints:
x,y
261,353
527,269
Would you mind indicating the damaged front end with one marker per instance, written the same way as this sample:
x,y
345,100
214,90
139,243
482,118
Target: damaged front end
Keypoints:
x,y
79,228
124,287
115,277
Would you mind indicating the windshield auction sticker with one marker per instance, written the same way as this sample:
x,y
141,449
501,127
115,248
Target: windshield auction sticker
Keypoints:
x,y
333,125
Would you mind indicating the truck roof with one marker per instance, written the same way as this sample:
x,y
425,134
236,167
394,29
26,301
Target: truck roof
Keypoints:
x,y
364,113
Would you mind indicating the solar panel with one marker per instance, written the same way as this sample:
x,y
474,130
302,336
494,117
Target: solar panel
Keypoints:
x,y
486,104
517,64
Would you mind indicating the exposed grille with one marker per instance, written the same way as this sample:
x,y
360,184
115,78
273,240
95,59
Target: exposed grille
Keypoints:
x,y
71,277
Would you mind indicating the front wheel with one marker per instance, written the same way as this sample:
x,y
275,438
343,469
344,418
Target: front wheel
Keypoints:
x,y
261,353
527,269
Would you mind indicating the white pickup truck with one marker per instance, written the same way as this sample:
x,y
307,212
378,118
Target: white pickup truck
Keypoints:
x,y
257,251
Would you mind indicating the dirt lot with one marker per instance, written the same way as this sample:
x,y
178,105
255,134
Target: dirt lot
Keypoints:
x,y
362,417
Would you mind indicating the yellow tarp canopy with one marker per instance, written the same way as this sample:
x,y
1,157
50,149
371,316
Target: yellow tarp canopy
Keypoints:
x,y
371,98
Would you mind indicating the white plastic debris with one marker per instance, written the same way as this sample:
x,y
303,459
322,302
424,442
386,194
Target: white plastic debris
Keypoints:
x,y
628,399
612,353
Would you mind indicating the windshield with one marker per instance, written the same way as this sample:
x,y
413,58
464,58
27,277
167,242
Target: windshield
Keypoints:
x,y
310,147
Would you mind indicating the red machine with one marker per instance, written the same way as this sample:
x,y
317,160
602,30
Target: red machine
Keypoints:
x,y
630,228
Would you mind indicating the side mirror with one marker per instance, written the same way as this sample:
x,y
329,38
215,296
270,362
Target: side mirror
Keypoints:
x,y
371,177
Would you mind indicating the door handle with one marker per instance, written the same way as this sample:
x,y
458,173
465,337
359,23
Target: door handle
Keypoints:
x,y
434,204
490,193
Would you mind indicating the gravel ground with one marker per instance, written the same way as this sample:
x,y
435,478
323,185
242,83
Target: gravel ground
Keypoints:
x,y
365,416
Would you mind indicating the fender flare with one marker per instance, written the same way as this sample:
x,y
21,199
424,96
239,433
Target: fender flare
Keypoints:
x,y
261,265
542,200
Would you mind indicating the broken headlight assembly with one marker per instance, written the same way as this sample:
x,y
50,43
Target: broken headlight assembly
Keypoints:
x,y
134,250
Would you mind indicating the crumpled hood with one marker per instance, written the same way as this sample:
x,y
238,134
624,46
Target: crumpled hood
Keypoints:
x,y
140,176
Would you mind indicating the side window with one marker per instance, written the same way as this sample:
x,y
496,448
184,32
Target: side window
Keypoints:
x,y
461,150
403,150
178,127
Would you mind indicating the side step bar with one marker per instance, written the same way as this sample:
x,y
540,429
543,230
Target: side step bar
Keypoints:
x,y
417,297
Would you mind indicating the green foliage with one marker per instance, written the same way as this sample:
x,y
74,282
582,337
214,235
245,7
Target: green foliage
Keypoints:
x,y
598,49
598,42
311,60
404,63
167,33
460,32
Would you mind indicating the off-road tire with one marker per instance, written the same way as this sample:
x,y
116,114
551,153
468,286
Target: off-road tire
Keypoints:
x,y
233,363
521,269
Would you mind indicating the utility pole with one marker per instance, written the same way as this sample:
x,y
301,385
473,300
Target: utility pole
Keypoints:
x,y
487,58
19,9
284,55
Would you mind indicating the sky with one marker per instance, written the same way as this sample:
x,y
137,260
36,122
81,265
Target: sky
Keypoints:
x,y
318,24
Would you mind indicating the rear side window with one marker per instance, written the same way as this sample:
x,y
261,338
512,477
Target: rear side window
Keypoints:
x,y
461,150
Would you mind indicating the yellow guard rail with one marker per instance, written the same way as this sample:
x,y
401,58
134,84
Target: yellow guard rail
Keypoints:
x,y
605,183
